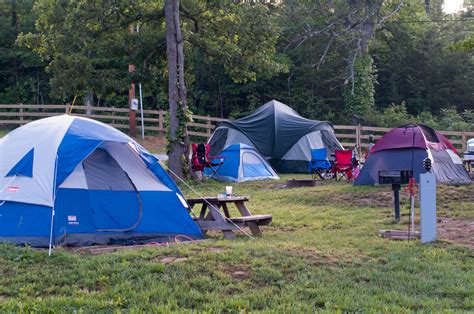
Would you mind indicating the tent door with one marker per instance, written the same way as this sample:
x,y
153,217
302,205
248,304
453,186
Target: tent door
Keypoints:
x,y
254,166
114,201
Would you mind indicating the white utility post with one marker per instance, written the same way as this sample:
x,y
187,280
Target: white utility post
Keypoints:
x,y
141,111
428,207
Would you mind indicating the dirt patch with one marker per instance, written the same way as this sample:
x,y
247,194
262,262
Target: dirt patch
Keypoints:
x,y
457,230
215,250
369,198
278,186
316,257
172,259
154,143
237,272
448,197
283,229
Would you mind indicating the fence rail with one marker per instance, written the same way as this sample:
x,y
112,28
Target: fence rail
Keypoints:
x,y
153,120
201,127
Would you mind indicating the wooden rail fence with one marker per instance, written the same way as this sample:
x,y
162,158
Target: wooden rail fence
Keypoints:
x,y
201,128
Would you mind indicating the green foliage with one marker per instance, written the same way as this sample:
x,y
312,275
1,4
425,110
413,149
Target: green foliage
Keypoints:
x,y
359,92
89,41
239,39
239,56
22,75
465,45
86,44
416,65
449,118
393,115
317,255
184,117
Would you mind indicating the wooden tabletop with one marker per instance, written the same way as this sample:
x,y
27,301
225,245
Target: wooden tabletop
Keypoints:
x,y
228,199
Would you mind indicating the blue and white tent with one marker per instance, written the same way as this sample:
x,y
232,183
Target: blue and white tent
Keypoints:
x,y
76,181
243,163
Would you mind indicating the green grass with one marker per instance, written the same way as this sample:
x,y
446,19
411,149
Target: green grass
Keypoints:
x,y
322,252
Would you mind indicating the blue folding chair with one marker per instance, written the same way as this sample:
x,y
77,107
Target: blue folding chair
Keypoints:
x,y
319,165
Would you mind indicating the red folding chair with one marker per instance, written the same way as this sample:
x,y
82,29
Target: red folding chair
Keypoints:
x,y
202,160
342,164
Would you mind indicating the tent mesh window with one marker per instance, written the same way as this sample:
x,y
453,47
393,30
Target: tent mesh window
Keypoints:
x,y
104,173
429,133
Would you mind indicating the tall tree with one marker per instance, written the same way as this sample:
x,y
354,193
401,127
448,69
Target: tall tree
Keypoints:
x,y
346,26
178,145
87,46
417,64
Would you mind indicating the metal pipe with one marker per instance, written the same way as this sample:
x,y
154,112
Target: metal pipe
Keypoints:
x,y
396,199
141,109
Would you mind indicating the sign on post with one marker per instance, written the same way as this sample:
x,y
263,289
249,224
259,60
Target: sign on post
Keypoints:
x,y
134,104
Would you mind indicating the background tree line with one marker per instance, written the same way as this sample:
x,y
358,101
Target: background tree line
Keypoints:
x,y
349,61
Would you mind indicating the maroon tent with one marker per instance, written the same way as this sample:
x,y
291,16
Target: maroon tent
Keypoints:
x,y
405,147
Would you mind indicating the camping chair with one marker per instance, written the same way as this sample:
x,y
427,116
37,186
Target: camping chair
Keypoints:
x,y
342,164
356,164
202,160
319,164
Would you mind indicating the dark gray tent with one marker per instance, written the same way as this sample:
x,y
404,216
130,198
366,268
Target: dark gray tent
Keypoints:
x,y
279,133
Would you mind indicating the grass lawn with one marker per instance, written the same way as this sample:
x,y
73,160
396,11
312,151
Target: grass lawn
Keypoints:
x,y
322,252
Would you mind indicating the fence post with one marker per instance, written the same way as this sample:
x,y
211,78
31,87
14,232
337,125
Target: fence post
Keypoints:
x,y
160,120
358,139
21,113
464,141
66,108
209,125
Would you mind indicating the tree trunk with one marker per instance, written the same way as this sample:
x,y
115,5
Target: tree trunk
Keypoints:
x,y
178,137
14,25
371,12
221,101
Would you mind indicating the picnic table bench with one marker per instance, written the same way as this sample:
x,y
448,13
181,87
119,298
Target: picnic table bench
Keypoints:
x,y
211,217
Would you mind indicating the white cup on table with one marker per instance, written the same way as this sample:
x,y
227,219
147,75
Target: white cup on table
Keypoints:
x,y
228,190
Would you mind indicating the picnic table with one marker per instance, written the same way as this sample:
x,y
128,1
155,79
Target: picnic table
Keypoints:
x,y
468,161
212,218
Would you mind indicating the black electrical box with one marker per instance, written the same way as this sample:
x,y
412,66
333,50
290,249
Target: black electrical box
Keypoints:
x,y
395,176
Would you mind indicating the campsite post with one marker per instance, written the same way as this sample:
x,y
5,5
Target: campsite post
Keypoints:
x,y
396,200
427,203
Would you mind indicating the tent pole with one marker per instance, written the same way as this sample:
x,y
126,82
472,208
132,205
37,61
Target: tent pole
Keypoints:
x,y
51,232
52,210
141,109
